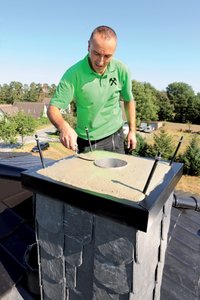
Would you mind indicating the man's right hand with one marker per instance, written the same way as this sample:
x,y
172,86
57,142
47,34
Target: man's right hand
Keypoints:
x,y
68,136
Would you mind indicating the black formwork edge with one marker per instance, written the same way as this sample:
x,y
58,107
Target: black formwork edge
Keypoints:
x,y
157,198
137,214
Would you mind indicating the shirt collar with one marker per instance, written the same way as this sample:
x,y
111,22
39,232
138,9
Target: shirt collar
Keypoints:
x,y
110,67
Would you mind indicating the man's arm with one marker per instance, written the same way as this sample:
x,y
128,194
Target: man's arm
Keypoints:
x,y
68,136
131,119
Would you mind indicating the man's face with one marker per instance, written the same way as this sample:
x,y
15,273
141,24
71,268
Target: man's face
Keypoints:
x,y
101,51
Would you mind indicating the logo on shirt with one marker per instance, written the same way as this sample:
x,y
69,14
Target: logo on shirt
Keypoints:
x,y
113,81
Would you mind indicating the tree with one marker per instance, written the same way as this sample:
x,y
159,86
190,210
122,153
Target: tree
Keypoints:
x,y
180,94
146,107
34,92
166,109
193,111
191,158
8,132
5,94
25,125
141,147
163,143
51,90
16,91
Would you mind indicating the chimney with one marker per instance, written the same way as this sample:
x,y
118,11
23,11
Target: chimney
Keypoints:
x,y
98,235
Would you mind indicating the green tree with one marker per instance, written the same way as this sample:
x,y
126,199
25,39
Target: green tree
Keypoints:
x,y
141,147
25,125
8,132
180,94
193,110
71,119
5,94
166,109
146,107
51,90
191,158
16,91
163,143
33,93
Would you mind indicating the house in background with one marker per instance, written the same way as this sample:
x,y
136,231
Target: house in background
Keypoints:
x,y
34,109
8,110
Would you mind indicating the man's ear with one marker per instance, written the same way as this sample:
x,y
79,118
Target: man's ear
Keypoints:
x,y
89,46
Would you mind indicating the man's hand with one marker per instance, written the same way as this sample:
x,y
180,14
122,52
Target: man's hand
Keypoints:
x,y
131,141
131,118
68,136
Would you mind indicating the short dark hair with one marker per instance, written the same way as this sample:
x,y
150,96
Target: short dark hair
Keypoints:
x,y
105,31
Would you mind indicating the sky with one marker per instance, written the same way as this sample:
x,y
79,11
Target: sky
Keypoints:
x,y
159,40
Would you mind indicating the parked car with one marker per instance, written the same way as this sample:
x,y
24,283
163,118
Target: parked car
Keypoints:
x,y
143,126
148,129
43,146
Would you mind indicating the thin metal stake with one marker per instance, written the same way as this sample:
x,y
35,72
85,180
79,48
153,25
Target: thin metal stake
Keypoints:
x,y
40,151
88,137
157,158
177,148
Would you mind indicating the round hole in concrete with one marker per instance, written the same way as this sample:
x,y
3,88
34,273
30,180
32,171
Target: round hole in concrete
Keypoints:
x,y
110,163
198,232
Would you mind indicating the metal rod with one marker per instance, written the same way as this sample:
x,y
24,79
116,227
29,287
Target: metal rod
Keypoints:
x,y
88,137
157,158
177,148
40,151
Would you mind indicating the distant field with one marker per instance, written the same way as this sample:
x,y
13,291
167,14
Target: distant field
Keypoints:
x,y
176,130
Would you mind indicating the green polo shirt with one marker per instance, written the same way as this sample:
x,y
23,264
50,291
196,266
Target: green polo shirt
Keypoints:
x,y
97,97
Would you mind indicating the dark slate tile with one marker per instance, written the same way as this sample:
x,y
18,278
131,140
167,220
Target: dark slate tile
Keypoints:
x,y
172,291
194,216
180,274
10,271
185,237
52,243
175,212
49,214
17,243
9,222
184,254
189,223
182,267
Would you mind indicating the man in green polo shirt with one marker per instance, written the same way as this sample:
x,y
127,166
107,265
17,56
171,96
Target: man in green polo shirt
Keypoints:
x,y
98,83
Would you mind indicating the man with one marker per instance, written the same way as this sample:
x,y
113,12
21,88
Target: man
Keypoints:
x,y
96,84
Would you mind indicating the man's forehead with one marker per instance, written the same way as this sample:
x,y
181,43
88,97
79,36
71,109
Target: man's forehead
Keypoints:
x,y
104,45
103,36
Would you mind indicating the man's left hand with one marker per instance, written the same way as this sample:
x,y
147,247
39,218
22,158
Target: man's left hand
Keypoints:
x,y
131,141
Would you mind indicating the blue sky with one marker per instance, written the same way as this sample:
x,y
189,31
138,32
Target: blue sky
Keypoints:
x,y
159,40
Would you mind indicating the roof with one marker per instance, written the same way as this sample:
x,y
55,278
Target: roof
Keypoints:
x,y
46,100
181,277
8,109
16,227
35,109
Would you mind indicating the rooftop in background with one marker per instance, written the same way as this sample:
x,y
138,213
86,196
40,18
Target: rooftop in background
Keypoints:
x,y
181,278
8,109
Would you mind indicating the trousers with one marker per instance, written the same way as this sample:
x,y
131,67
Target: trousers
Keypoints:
x,y
113,143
